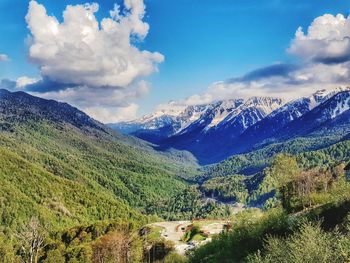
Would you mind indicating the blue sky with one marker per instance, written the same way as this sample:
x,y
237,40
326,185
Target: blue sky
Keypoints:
x,y
203,41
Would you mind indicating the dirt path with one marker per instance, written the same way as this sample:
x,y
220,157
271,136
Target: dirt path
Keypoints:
x,y
174,230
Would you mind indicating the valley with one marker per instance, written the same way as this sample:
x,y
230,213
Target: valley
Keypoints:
x,y
150,131
93,185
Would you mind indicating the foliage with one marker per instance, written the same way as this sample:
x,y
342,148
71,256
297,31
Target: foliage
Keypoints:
x,y
191,204
193,232
316,229
248,232
282,172
309,244
230,188
310,152
70,176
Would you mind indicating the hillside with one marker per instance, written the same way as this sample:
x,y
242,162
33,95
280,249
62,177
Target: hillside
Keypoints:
x,y
307,219
61,165
311,152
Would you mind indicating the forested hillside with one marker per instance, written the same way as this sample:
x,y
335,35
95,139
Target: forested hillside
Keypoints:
x,y
66,170
311,152
83,152
307,221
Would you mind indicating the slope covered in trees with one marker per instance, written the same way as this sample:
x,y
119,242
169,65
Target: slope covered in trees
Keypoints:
x,y
64,170
308,223
310,152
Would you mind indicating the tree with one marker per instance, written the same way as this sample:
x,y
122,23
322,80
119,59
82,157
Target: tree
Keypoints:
x,y
7,254
32,240
114,247
283,171
55,256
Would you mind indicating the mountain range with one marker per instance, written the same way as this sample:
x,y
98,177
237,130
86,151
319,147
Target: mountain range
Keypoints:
x,y
215,131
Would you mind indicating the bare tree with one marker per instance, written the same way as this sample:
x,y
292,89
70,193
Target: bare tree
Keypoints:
x,y
32,240
114,247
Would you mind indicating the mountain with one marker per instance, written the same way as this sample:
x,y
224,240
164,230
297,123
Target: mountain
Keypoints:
x,y
270,128
59,164
161,124
235,126
219,126
200,129
331,116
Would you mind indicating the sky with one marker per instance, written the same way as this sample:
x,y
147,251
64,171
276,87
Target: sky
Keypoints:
x,y
117,60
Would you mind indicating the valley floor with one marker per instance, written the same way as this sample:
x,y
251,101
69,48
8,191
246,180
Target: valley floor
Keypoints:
x,y
174,231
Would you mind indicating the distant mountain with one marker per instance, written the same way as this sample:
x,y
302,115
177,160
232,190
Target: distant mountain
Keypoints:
x,y
271,127
161,124
215,131
331,116
211,136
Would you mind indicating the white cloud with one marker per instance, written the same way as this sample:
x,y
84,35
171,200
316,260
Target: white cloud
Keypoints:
x,y
82,51
110,114
105,104
86,96
301,82
22,82
4,57
327,40
89,63
325,64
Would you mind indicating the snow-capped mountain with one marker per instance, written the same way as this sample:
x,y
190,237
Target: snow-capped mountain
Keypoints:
x,y
214,114
273,123
161,124
331,116
217,130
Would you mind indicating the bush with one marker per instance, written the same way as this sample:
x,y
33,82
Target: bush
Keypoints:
x,y
310,244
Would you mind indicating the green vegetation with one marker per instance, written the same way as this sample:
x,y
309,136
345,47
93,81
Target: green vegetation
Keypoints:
x,y
52,170
230,188
310,243
68,177
311,225
191,204
310,152
193,233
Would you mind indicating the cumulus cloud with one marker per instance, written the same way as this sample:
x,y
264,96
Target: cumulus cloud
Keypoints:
x,y
83,51
112,115
111,105
324,52
85,96
94,65
327,40
4,57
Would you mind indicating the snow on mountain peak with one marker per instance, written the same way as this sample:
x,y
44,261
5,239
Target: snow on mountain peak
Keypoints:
x,y
342,101
239,113
322,95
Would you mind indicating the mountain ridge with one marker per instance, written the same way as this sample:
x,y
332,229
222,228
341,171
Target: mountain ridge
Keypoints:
x,y
235,126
